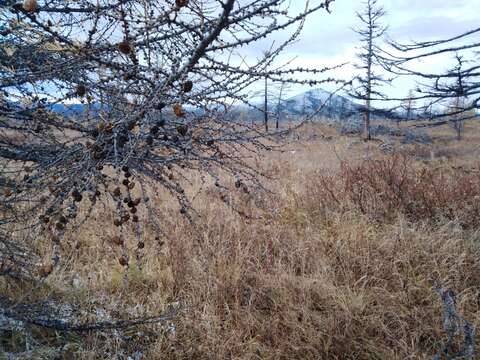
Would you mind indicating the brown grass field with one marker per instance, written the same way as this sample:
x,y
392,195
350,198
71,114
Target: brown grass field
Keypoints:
x,y
339,261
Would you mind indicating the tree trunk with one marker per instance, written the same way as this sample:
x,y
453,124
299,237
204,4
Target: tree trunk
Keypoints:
x,y
277,124
266,105
367,132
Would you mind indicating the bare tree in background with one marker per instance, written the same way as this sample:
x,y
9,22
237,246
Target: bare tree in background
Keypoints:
x,y
155,80
370,32
456,121
408,105
275,97
440,90
459,103
280,99
265,105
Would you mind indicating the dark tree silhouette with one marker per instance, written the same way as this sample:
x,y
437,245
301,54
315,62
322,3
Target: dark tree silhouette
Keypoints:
x,y
366,85
265,105
438,90
408,106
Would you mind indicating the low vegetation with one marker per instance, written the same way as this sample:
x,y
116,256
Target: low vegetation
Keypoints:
x,y
146,214
340,261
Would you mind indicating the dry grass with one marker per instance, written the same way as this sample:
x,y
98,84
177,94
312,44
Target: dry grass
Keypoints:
x,y
316,275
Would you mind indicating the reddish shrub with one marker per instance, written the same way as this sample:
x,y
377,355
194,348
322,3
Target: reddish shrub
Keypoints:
x,y
383,188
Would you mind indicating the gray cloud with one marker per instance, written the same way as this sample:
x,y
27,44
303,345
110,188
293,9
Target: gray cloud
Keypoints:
x,y
330,36
328,39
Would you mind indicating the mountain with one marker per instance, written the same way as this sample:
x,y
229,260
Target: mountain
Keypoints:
x,y
75,109
319,102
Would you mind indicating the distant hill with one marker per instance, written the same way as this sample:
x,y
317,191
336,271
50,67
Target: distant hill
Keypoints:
x,y
318,100
314,102
75,109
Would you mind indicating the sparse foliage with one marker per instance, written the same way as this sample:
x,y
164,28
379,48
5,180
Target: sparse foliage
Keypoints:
x,y
437,90
408,106
100,100
459,103
366,85
109,107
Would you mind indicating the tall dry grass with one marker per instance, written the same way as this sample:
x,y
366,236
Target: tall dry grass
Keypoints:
x,y
337,263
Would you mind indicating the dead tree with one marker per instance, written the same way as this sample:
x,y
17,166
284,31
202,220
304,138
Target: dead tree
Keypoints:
x,y
460,102
272,100
276,98
456,121
280,104
265,105
366,85
409,105
149,81
439,90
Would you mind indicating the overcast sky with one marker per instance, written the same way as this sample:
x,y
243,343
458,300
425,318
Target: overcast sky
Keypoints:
x,y
328,38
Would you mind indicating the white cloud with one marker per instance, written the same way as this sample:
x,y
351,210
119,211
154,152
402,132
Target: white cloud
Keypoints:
x,y
328,39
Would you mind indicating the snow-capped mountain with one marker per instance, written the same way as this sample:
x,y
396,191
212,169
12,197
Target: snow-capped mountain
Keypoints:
x,y
315,103
318,101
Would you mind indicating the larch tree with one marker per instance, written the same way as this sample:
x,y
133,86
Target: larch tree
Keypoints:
x,y
282,91
101,100
367,83
409,105
441,89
